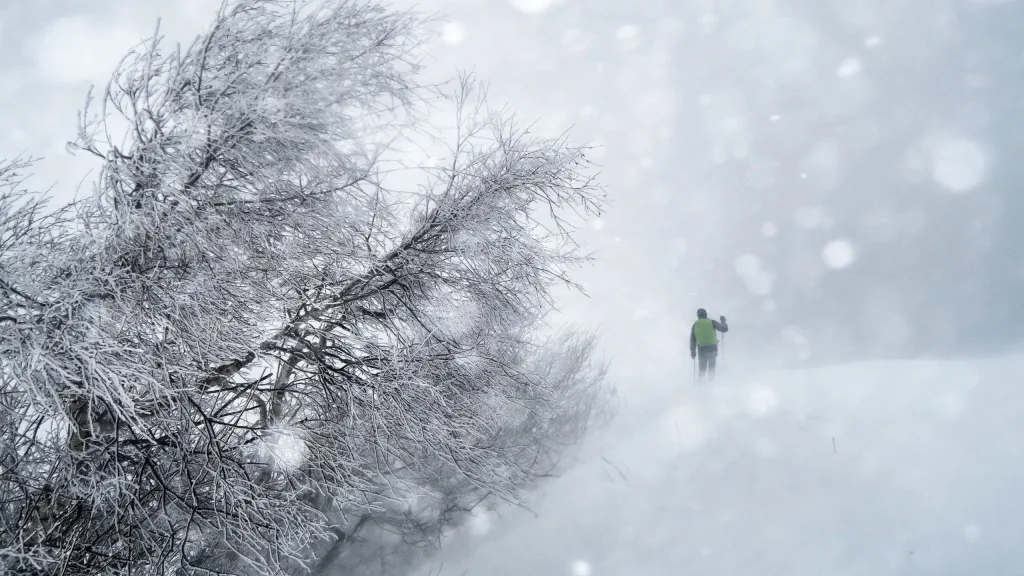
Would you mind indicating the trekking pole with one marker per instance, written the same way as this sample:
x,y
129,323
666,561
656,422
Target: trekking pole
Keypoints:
x,y
723,344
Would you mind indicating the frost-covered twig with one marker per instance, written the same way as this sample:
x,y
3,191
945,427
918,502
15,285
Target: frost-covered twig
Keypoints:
x,y
247,344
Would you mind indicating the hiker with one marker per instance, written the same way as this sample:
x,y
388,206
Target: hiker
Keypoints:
x,y
704,341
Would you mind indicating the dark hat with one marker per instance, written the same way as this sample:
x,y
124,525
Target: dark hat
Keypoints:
x,y
702,313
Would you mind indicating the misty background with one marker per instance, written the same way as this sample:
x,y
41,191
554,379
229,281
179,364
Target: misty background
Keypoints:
x,y
837,177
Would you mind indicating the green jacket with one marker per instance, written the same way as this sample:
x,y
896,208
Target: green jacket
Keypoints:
x,y
703,334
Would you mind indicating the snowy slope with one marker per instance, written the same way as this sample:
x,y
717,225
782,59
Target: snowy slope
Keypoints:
x,y
913,467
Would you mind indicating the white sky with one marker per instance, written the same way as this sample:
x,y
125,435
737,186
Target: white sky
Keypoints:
x,y
53,52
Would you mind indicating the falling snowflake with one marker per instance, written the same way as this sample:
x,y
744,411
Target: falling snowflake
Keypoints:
x,y
957,164
849,68
580,568
284,450
453,33
838,254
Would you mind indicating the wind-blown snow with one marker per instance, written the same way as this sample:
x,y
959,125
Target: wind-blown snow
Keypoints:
x,y
883,468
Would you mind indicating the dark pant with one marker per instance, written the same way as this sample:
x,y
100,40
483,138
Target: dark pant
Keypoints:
x,y
706,357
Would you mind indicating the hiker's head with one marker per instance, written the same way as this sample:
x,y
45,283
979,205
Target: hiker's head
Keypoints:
x,y
702,313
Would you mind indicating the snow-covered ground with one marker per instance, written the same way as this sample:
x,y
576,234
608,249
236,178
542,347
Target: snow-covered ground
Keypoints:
x,y
911,467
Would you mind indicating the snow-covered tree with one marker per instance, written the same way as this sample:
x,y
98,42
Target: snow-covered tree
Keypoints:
x,y
248,350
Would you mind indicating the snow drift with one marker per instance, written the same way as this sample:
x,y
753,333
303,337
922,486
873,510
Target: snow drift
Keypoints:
x,y
909,467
